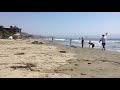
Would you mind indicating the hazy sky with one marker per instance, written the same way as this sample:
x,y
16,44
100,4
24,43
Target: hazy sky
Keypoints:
x,y
64,23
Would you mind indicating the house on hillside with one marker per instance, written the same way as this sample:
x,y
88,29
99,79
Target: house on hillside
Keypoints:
x,y
11,31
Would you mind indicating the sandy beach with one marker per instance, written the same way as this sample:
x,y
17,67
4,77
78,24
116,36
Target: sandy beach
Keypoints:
x,y
23,59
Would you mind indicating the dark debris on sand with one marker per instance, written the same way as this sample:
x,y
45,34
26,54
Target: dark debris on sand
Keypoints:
x,y
36,42
27,66
19,53
62,51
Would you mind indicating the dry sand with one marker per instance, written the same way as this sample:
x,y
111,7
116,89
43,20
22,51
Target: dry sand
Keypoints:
x,y
22,59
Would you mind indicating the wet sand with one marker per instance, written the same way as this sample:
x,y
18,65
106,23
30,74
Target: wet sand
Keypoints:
x,y
91,63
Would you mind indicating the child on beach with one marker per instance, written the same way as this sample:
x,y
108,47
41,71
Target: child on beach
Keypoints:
x,y
103,39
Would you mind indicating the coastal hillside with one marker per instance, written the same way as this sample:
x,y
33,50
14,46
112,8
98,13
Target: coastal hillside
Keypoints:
x,y
16,31
11,31
32,36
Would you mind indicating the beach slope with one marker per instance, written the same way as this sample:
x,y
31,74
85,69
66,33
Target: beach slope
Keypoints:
x,y
23,59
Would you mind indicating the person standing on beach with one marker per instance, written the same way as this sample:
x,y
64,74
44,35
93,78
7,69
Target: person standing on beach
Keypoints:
x,y
52,39
82,42
103,39
70,42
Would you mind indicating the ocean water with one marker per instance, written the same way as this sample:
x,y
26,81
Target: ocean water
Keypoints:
x,y
111,44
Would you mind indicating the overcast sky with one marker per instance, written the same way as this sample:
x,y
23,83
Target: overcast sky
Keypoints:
x,y
64,23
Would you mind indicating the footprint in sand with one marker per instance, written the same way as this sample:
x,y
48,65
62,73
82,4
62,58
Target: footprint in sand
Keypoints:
x,y
76,64
12,48
85,60
3,55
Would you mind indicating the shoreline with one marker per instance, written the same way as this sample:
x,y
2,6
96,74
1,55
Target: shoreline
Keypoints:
x,y
57,44
110,46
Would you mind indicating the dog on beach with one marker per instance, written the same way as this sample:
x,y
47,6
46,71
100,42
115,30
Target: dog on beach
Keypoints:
x,y
91,44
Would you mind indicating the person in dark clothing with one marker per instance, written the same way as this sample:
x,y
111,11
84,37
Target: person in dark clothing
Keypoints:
x,y
70,42
82,42
52,39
